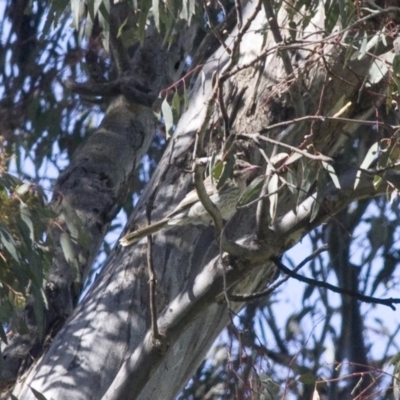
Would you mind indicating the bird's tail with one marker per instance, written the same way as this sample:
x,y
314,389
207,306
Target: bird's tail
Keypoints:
x,y
135,236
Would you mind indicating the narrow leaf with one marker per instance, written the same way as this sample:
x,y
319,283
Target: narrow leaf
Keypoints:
x,y
23,189
291,180
252,191
184,14
37,394
217,170
3,335
185,98
94,8
316,395
168,117
332,174
192,9
104,18
38,308
176,104
8,242
76,12
368,160
273,198
69,254
67,247
144,12
363,48
227,171
156,13
321,184
9,180
293,158
26,217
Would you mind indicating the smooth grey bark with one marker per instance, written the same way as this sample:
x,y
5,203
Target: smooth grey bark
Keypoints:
x,y
105,349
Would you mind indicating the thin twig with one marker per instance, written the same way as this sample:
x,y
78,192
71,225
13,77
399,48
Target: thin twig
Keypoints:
x,y
250,203
152,275
222,108
205,200
238,8
366,299
215,31
323,119
156,335
319,157
209,206
235,49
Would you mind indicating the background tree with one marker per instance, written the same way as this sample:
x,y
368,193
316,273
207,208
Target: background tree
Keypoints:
x,y
308,90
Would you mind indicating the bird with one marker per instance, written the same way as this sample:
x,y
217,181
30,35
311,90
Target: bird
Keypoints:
x,y
191,211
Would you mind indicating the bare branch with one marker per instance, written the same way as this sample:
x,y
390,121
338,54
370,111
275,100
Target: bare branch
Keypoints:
x,y
366,299
319,157
273,287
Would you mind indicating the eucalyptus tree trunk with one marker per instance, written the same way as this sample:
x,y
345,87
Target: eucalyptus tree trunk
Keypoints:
x,y
110,348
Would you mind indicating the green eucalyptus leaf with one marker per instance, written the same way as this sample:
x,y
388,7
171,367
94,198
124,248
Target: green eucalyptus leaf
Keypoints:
x,y
8,243
67,248
185,98
9,180
252,191
217,170
176,104
227,172
368,160
69,254
26,217
307,379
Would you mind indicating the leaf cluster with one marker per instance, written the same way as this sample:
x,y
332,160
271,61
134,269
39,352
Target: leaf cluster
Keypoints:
x,y
25,253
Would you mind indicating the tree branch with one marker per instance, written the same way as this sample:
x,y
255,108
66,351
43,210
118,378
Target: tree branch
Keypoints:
x,y
273,287
366,299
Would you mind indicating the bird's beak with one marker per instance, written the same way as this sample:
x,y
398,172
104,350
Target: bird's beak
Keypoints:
x,y
251,168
